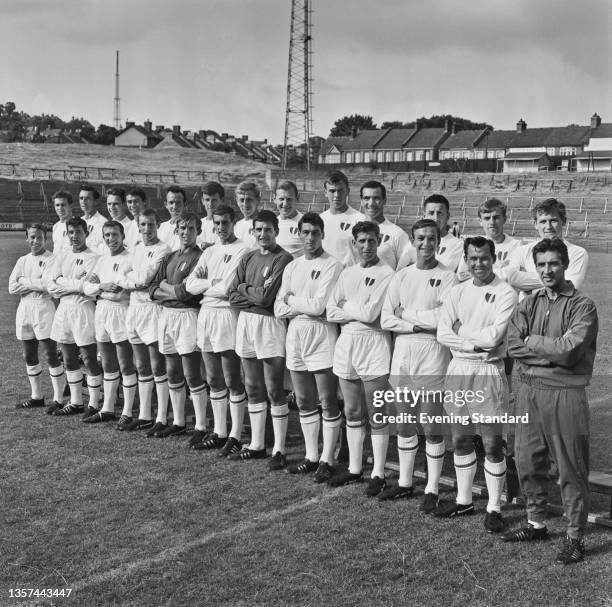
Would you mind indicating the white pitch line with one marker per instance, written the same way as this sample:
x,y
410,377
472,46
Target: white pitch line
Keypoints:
x,y
174,551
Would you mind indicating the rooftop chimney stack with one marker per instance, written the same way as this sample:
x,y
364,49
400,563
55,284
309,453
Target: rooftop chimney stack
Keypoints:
x,y
521,125
176,129
148,125
353,132
595,120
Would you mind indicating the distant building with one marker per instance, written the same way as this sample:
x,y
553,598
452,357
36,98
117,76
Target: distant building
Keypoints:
x,y
135,136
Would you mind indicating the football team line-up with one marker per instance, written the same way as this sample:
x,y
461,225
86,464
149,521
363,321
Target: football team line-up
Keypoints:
x,y
351,306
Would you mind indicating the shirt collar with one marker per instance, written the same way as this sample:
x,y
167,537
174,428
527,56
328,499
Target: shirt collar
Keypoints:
x,y
568,291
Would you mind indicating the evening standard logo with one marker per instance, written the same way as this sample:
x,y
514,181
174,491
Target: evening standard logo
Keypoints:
x,y
315,274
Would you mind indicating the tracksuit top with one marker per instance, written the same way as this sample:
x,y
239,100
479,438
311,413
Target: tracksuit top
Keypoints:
x,y
174,269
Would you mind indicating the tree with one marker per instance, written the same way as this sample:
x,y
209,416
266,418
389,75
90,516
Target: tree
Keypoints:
x,y
105,135
344,126
394,124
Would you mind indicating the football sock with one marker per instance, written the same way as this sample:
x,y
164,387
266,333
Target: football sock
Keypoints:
x,y
130,384
380,442
280,421
238,405
75,382
35,379
495,477
331,431
257,415
355,435
199,397
58,381
465,470
111,381
177,398
145,391
406,450
310,423
162,392
94,387
435,461
218,401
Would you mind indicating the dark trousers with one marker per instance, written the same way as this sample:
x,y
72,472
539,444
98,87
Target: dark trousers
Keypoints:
x,y
558,428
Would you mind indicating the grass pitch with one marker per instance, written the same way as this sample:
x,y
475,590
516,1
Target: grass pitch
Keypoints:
x,y
128,521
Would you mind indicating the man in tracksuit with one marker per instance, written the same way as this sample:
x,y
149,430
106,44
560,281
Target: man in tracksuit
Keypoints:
x,y
553,337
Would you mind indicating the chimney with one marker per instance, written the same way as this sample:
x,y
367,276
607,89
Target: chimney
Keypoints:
x,y
454,129
128,124
447,126
176,129
224,135
418,125
148,125
353,132
202,134
159,128
595,120
521,125
245,138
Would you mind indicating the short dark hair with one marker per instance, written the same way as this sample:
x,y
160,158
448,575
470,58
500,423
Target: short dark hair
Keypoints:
x,y
437,199
287,186
373,185
177,189
89,188
188,216
225,209
492,204
151,213
479,242
138,192
336,177
551,244
248,186
77,222
365,226
116,192
313,219
210,188
36,226
63,194
111,223
550,205
268,217
425,223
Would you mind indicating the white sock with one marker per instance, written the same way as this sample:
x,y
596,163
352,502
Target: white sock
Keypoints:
x,y
331,431
199,397
407,451
94,386
111,382
536,525
465,470
58,381
435,461
130,384
177,398
257,415
145,391
218,402
280,421
35,379
162,391
355,435
310,423
238,405
380,442
495,476
75,381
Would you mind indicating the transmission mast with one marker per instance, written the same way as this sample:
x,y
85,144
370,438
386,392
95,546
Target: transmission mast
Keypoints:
x,y
117,112
298,119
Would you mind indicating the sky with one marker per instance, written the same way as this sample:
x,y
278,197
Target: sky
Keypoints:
x,y
222,64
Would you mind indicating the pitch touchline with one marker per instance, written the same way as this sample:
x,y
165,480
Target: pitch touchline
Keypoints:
x,y
174,551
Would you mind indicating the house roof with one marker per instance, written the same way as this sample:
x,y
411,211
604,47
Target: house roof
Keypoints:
x,y
462,139
364,140
142,131
496,140
426,138
330,142
525,155
394,139
603,130
552,136
595,154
